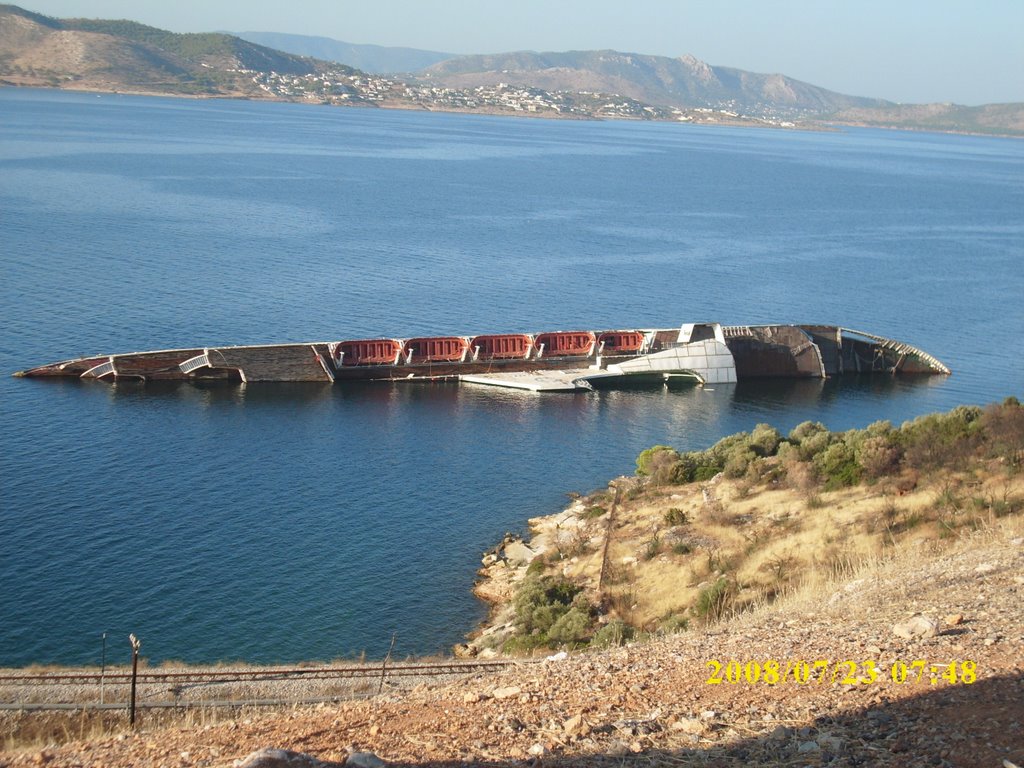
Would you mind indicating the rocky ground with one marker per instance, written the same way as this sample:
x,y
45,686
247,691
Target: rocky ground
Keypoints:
x,y
652,704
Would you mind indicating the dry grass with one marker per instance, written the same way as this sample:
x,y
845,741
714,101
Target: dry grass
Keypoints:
x,y
35,730
770,543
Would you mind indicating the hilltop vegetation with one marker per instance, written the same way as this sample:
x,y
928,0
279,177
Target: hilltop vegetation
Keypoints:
x,y
702,535
196,47
113,55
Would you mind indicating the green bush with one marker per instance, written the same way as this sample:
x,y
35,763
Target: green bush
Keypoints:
x,y
524,644
879,456
804,430
614,633
571,627
720,451
714,601
649,460
541,601
550,611
1003,432
814,445
738,461
765,440
837,466
879,429
677,516
941,439
673,624
703,465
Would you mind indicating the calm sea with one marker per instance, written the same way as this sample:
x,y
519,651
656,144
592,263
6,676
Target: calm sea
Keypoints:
x,y
279,523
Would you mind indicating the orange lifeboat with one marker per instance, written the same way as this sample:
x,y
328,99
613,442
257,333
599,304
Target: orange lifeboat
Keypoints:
x,y
620,342
435,349
566,343
507,346
367,352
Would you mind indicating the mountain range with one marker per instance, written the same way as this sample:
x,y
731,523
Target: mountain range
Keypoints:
x,y
682,82
375,59
103,55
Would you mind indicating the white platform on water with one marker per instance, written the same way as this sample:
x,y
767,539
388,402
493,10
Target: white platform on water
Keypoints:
x,y
534,381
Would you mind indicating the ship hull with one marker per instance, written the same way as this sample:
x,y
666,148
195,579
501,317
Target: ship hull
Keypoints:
x,y
707,352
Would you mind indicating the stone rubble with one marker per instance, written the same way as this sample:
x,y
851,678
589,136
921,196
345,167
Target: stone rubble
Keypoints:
x,y
651,703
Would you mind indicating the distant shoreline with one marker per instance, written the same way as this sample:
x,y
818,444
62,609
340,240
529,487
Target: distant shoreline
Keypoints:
x,y
823,126
411,107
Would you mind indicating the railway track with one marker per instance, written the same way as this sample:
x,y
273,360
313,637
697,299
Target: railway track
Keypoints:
x,y
170,689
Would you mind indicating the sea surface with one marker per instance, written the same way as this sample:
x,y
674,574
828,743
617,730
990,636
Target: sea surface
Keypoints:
x,y
278,523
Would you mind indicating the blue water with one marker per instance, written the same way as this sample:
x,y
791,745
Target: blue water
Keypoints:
x,y
278,523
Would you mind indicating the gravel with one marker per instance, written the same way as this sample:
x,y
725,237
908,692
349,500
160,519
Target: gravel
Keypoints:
x,y
650,704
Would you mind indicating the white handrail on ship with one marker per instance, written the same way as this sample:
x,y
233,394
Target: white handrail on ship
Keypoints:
x,y
97,371
193,363
902,348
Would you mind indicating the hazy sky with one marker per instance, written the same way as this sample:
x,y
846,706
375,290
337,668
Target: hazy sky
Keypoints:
x,y
964,51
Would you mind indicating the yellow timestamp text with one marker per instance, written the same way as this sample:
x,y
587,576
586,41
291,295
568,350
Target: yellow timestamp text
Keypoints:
x,y
827,671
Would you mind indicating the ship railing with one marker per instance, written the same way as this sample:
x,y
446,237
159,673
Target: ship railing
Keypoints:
x,y
199,361
98,371
737,331
901,348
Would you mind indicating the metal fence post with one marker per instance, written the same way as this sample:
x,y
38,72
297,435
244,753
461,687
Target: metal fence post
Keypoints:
x,y
384,664
103,665
136,644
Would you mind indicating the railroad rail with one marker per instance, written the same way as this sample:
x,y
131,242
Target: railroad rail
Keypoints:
x,y
172,689
264,674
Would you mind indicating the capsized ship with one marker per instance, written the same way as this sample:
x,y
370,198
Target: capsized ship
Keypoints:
x,y
704,353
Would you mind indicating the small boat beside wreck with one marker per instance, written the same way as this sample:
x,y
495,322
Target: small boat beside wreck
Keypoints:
x,y
546,361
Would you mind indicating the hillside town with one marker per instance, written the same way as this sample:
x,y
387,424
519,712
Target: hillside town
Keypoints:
x,y
361,89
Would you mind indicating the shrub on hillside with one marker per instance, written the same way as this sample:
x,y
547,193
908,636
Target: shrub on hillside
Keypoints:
x,y
549,611
1003,431
804,430
941,439
714,601
648,462
837,466
541,601
571,627
719,452
677,516
614,633
879,456
765,440
739,459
